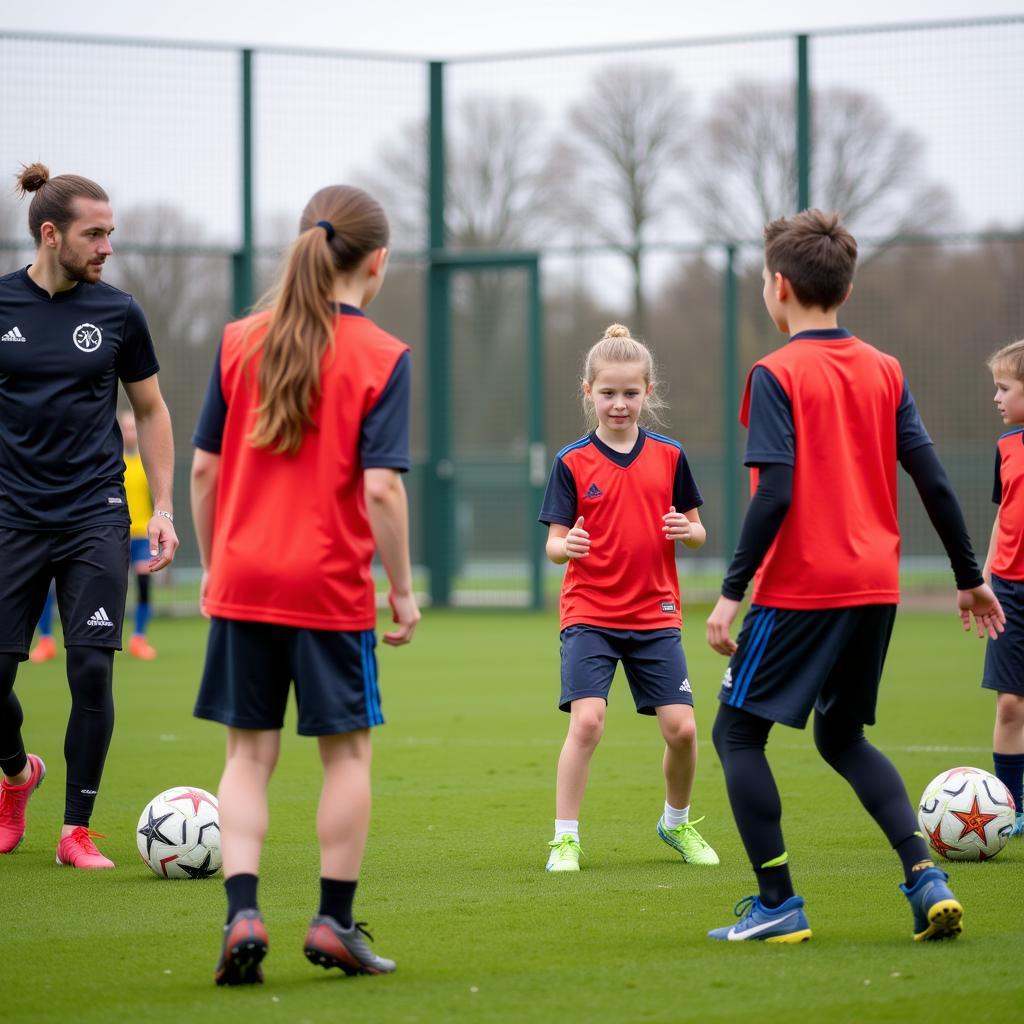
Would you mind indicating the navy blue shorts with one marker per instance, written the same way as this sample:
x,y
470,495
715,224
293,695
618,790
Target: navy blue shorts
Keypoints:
x,y
653,660
250,667
789,661
1004,658
90,569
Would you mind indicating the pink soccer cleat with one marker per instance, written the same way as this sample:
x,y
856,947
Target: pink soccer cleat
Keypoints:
x,y
12,805
77,850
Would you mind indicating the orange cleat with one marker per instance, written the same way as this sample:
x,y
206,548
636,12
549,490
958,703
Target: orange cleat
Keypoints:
x,y
78,850
140,647
45,650
12,805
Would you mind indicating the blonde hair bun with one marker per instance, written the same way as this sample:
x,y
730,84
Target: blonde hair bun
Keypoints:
x,y
616,331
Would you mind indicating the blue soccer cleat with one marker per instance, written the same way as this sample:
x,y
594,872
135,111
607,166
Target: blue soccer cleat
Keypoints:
x,y
784,923
937,912
1018,825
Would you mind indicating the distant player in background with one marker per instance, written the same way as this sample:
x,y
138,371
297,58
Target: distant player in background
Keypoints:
x,y
297,477
46,646
828,418
66,340
1004,569
617,503
140,508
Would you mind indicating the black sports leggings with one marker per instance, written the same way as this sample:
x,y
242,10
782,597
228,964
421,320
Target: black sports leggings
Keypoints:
x,y
740,739
90,725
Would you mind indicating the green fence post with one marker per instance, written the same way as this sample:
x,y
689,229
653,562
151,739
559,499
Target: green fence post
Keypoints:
x,y
730,404
803,125
439,492
242,262
537,454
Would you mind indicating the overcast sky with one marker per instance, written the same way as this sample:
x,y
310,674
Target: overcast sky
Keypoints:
x,y
453,27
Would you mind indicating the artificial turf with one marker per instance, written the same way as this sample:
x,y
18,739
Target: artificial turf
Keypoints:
x,y
453,884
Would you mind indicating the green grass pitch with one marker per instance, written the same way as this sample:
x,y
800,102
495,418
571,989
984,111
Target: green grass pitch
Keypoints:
x,y
453,884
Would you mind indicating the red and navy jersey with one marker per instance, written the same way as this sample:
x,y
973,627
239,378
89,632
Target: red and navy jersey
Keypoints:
x,y
1008,494
839,412
61,357
629,579
291,541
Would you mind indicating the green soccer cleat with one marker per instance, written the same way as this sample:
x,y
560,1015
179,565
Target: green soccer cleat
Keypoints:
x,y
687,842
565,854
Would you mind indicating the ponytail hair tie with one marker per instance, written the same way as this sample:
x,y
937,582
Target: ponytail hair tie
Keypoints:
x,y
327,226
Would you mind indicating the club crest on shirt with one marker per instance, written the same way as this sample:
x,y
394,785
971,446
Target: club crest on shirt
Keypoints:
x,y
87,337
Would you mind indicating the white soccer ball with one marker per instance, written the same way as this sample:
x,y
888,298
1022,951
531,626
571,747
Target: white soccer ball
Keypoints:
x,y
179,834
966,814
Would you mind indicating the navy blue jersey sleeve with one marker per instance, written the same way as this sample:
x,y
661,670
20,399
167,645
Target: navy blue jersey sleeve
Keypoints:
x,y
136,359
685,494
997,480
910,432
384,439
559,504
771,437
209,431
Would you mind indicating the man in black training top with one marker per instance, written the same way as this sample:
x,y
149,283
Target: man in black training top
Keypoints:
x,y
66,339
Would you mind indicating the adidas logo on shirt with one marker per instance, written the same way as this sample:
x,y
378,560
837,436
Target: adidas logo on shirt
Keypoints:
x,y
100,618
594,491
14,334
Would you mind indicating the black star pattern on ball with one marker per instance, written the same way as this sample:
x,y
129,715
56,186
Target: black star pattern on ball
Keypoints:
x,y
152,833
200,871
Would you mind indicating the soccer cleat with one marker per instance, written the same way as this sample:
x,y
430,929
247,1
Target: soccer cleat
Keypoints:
x,y
937,912
784,923
565,854
12,805
330,945
687,842
139,647
77,850
44,650
245,945
1018,825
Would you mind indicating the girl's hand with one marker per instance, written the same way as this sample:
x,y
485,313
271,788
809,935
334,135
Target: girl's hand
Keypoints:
x,y
677,526
577,541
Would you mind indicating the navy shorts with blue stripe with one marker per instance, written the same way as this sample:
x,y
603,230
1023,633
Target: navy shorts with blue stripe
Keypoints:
x,y
652,659
250,667
789,661
1004,658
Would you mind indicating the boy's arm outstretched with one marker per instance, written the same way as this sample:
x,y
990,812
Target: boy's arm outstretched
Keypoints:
x,y
974,596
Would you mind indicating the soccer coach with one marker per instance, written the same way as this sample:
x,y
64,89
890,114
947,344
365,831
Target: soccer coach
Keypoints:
x,y
66,339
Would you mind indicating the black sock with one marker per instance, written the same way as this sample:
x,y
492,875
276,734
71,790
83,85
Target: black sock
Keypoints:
x,y
1010,772
15,764
914,856
241,890
336,898
774,885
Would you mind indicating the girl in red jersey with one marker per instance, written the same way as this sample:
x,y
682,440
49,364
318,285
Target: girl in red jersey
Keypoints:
x,y
611,511
296,480
1004,571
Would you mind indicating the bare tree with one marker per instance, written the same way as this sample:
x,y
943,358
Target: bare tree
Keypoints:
x,y
495,176
619,168
863,164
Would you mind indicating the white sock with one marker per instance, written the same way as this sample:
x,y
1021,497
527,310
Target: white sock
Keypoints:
x,y
673,816
567,828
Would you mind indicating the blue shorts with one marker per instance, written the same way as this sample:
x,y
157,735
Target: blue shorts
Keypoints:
x,y
789,661
90,569
1004,658
250,667
140,549
653,660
